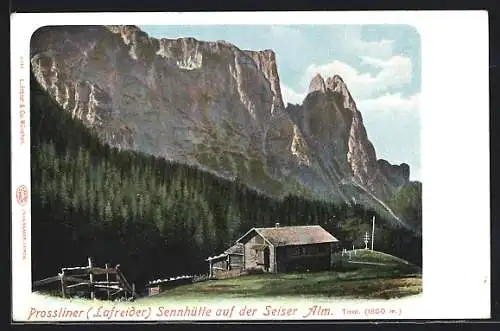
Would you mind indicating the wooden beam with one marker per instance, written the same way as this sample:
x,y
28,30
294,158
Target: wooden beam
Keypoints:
x,y
94,270
244,250
63,285
107,277
217,268
103,271
47,280
76,268
275,262
123,280
74,279
85,275
76,285
108,287
91,278
103,282
85,271
118,278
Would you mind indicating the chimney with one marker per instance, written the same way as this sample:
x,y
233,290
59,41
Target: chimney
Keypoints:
x,y
276,225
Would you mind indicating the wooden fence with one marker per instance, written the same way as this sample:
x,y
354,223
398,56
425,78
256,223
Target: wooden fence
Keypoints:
x,y
112,284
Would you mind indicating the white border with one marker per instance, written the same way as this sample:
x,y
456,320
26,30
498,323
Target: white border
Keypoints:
x,y
455,146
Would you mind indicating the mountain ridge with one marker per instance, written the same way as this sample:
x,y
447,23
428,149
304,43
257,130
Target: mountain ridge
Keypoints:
x,y
216,106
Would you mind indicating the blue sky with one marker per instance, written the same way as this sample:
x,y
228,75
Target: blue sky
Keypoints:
x,y
379,63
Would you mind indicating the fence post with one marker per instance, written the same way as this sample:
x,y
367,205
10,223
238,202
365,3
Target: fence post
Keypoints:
x,y
63,285
91,278
107,279
117,275
121,280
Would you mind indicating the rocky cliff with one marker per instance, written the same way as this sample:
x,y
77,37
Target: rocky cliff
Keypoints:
x,y
216,106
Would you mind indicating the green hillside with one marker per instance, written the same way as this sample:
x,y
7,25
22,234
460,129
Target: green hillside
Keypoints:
x,y
375,257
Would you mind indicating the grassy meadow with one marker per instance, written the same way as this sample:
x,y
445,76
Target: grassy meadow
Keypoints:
x,y
388,277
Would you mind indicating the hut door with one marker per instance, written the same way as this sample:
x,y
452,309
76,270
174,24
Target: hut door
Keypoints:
x,y
266,258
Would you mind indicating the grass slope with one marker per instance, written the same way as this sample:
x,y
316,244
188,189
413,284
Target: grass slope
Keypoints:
x,y
392,278
369,256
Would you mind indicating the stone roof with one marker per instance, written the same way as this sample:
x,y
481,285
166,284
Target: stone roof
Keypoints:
x,y
292,235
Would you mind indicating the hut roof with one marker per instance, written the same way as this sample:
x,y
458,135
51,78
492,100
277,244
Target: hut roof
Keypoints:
x,y
291,235
235,249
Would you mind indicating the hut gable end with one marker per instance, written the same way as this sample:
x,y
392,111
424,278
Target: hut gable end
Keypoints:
x,y
254,235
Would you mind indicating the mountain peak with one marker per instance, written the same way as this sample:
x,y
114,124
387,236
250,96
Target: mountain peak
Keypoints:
x,y
338,78
317,84
334,83
337,84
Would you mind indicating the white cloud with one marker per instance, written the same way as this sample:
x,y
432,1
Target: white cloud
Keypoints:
x,y
353,44
390,103
396,71
393,72
339,40
291,96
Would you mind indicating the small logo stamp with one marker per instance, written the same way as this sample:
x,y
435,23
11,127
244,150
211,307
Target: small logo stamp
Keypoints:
x,y
22,195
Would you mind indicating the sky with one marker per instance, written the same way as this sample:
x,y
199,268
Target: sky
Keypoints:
x,y
380,65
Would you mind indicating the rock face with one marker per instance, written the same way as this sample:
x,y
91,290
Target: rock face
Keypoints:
x,y
213,105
